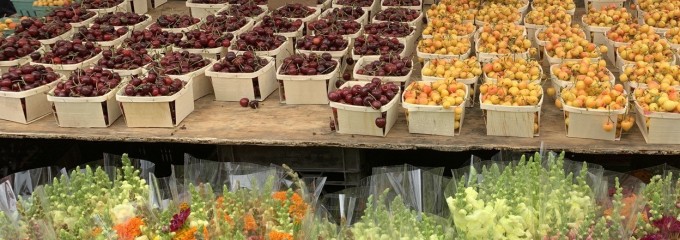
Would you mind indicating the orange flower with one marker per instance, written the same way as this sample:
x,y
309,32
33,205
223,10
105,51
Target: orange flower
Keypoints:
x,y
206,235
297,209
129,230
276,235
186,234
228,219
250,224
96,231
183,206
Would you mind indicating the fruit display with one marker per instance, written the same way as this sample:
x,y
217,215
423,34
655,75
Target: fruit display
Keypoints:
x,y
657,98
339,27
584,70
662,73
209,1
330,42
178,63
629,32
40,30
515,69
246,62
454,13
258,41
501,31
90,82
561,31
153,37
124,59
100,4
519,4
607,16
573,48
398,15
67,52
26,77
374,95
673,35
493,13
14,47
198,39
120,19
506,38
244,10
450,28
99,33
389,29
345,13
445,45
594,95
312,64
568,4
387,65
293,10
647,50
377,45
71,13
445,93
176,21
50,3
453,68
278,25
355,3
152,85
663,18
506,92
547,15
223,23
401,2
245,2
7,24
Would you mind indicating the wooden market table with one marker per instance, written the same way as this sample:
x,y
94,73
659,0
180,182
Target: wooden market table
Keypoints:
x,y
273,124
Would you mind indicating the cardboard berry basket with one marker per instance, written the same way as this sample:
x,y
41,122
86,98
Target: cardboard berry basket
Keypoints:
x,y
257,85
595,33
293,34
64,36
569,11
418,7
587,123
373,9
556,60
349,37
139,26
122,7
417,23
402,54
66,69
612,47
443,56
489,57
363,20
202,10
311,17
559,84
86,22
472,84
531,31
404,80
674,46
181,30
435,120
622,63
303,89
115,43
249,25
255,19
86,112
128,72
280,53
214,53
658,127
338,55
157,112
201,85
5,65
350,119
599,4
26,106
512,121
325,5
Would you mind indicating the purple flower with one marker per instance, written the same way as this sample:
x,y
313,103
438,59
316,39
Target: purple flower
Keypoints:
x,y
178,220
655,236
667,225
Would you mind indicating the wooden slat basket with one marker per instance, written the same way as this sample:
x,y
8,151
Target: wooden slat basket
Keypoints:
x,y
163,111
234,86
435,120
360,120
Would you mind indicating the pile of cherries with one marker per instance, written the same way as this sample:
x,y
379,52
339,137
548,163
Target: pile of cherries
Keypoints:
x,y
387,65
331,42
37,29
245,10
345,13
356,3
243,2
398,15
377,45
67,52
374,95
90,82
258,41
14,47
197,39
312,64
178,63
223,23
293,10
389,29
124,58
401,2
120,19
70,13
99,4
99,33
153,37
340,27
278,24
26,77
153,85
176,21
246,62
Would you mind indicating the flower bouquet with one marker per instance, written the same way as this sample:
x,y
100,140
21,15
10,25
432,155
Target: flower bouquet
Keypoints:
x,y
659,219
621,204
